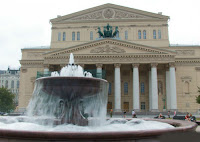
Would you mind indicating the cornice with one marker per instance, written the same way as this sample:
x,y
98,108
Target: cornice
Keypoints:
x,y
187,61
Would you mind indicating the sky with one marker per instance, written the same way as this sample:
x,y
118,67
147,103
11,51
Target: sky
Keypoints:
x,y
25,23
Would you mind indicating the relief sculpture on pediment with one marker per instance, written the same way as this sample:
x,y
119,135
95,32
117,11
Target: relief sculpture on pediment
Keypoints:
x,y
107,49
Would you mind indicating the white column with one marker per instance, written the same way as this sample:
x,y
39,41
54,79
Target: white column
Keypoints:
x,y
172,80
150,93
117,88
99,70
168,99
154,88
136,97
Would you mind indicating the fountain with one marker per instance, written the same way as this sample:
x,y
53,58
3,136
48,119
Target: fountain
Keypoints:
x,y
71,106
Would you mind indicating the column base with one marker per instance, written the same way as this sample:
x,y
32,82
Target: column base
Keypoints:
x,y
136,110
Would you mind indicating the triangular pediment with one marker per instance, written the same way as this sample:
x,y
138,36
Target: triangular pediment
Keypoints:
x,y
109,46
108,12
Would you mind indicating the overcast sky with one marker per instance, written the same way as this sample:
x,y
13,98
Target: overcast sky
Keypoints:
x,y
25,23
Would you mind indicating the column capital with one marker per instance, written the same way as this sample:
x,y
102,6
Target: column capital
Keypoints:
x,y
117,65
135,65
99,65
154,64
172,64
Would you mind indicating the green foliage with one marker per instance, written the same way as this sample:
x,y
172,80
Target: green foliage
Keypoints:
x,y
6,100
198,98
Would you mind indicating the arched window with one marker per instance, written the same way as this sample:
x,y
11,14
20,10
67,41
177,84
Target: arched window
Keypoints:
x,y
139,34
126,35
142,88
91,35
144,34
17,84
64,36
78,35
160,88
125,88
12,84
6,85
59,36
159,34
110,89
73,35
154,34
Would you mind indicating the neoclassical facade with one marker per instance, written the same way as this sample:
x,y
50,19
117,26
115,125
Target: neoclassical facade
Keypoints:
x,y
144,71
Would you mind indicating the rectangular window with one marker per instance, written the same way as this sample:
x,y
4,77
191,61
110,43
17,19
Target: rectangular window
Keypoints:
x,y
126,88
91,35
64,36
110,89
59,36
126,35
142,88
159,34
73,36
78,35
154,34
142,105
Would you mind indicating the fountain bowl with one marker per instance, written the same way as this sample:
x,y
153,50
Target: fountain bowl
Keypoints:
x,y
136,136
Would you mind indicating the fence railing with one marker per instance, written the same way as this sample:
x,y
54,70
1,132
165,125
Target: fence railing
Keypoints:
x,y
92,71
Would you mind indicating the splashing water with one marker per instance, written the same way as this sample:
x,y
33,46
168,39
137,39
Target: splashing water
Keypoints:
x,y
72,70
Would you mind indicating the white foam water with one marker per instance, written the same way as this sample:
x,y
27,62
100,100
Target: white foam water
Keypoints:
x,y
117,124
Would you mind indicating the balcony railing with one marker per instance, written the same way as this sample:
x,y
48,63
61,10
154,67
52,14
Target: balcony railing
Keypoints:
x,y
92,71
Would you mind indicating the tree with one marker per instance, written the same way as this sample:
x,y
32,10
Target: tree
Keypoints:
x,y
6,100
198,97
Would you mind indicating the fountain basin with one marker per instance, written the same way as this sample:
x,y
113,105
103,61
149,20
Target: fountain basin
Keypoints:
x,y
70,99
147,135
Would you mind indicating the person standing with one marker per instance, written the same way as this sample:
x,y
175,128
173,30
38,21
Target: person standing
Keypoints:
x,y
133,114
124,113
168,114
174,113
111,112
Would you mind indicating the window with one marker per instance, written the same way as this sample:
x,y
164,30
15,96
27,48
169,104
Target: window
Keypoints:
x,y
64,36
126,88
142,88
12,84
78,35
159,34
126,35
59,36
110,89
186,87
117,35
160,88
142,105
139,34
73,35
154,34
144,34
17,84
6,85
91,35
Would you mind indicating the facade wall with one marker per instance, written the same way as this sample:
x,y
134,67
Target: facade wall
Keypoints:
x,y
185,58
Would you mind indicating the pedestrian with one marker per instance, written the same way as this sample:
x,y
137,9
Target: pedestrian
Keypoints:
x,y
124,113
111,112
168,114
174,113
133,114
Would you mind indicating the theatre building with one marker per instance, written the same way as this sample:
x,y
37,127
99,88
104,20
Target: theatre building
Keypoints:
x,y
130,49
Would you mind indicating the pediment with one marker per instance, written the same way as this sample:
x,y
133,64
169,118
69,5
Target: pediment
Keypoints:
x,y
108,11
108,46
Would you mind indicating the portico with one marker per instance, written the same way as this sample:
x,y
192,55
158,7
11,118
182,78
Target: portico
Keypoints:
x,y
125,70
